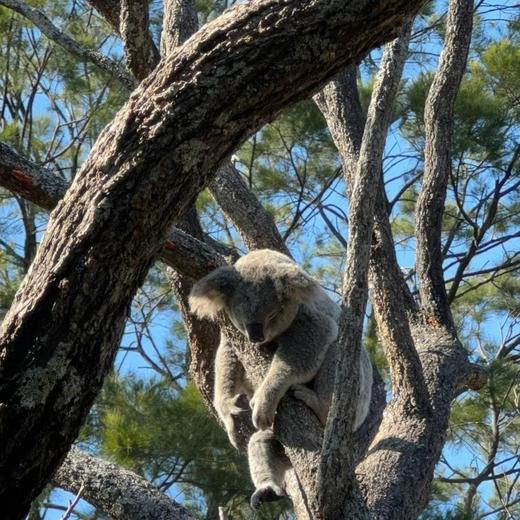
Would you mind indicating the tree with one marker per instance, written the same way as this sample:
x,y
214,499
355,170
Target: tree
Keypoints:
x,y
181,123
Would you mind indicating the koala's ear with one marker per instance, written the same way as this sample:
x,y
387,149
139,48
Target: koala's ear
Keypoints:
x,y
209,295
298,285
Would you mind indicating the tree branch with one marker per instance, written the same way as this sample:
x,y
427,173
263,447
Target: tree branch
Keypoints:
x,y
437,161
111,12
183,252
45,25
254,224
137,42
117,492
179,23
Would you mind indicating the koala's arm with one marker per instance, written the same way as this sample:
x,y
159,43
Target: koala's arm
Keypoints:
x,y
229,379
300,354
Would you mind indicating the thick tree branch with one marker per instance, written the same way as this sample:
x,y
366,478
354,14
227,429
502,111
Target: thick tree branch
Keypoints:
x,y
117,492
66,42
337,464
111,12
437,161
61,334
254,224
32,182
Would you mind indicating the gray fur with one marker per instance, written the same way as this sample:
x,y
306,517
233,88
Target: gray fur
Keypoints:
x,y
269,297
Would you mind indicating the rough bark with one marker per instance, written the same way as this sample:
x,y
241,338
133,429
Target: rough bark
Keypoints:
x,y
111,12
179,23
60,336
438,119
32,182
254,224
117,492
43,23
137,42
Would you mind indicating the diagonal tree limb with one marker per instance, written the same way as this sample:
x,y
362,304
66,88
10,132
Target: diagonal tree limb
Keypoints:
x,y
45,25
117,492
254,224
437,162
337,463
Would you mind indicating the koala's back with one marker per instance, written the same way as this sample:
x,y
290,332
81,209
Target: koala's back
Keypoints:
x,y
323,383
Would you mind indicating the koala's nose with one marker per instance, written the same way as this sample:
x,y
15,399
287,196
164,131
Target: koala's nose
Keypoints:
x,y
255,332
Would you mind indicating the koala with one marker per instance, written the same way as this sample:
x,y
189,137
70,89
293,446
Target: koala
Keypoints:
x,y
270,299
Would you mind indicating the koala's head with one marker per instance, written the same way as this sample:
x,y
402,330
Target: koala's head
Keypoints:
x,y
261,294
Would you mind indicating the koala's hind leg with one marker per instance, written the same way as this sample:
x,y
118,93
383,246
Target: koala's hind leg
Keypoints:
x,y
267,464
312,400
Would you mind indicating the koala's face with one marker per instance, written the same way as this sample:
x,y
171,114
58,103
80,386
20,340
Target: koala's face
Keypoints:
x,y
261,294
259,311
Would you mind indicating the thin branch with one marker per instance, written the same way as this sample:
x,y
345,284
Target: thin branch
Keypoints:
x,y
437,161
73,503
46,26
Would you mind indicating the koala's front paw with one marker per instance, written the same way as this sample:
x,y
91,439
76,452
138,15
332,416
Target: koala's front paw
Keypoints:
x,y
263,412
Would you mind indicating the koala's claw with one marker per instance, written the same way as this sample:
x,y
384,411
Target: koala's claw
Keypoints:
x,y
263,415
266,494
237,405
